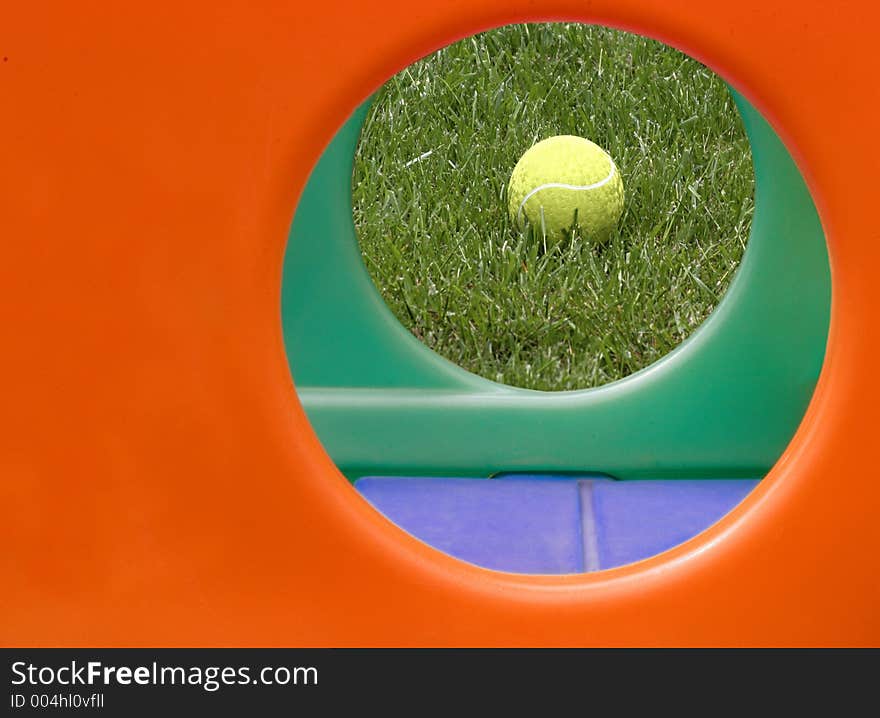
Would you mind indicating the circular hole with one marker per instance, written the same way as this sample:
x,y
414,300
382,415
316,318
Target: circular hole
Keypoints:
x,y
430,200
561,482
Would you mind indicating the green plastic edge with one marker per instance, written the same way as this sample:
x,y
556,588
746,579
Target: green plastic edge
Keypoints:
x,y
724,404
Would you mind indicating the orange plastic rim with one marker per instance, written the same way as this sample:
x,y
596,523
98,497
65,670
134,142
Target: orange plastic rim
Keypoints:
x,y
161,484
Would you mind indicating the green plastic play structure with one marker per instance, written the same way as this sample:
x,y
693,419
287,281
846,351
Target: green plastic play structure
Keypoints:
x,y
724,404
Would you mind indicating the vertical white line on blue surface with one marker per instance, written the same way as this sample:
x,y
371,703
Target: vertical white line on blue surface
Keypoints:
x,y
588,526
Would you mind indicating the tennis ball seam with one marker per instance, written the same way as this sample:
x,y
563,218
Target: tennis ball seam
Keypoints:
x,y
563,185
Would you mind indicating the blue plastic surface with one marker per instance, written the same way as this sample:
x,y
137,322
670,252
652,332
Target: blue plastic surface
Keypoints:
x,y
637,519
515,525
552,524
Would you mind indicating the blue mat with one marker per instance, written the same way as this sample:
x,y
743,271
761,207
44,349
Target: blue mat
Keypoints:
x,y
551,524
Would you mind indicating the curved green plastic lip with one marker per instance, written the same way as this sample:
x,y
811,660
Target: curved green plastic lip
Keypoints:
x,y
724,404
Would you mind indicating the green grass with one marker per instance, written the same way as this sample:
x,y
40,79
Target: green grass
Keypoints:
x,y
429,204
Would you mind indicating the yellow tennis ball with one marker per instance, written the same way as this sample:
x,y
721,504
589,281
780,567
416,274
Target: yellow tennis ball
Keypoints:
x,y
565,180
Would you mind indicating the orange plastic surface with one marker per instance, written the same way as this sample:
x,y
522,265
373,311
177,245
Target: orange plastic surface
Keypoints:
x,y
160,485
